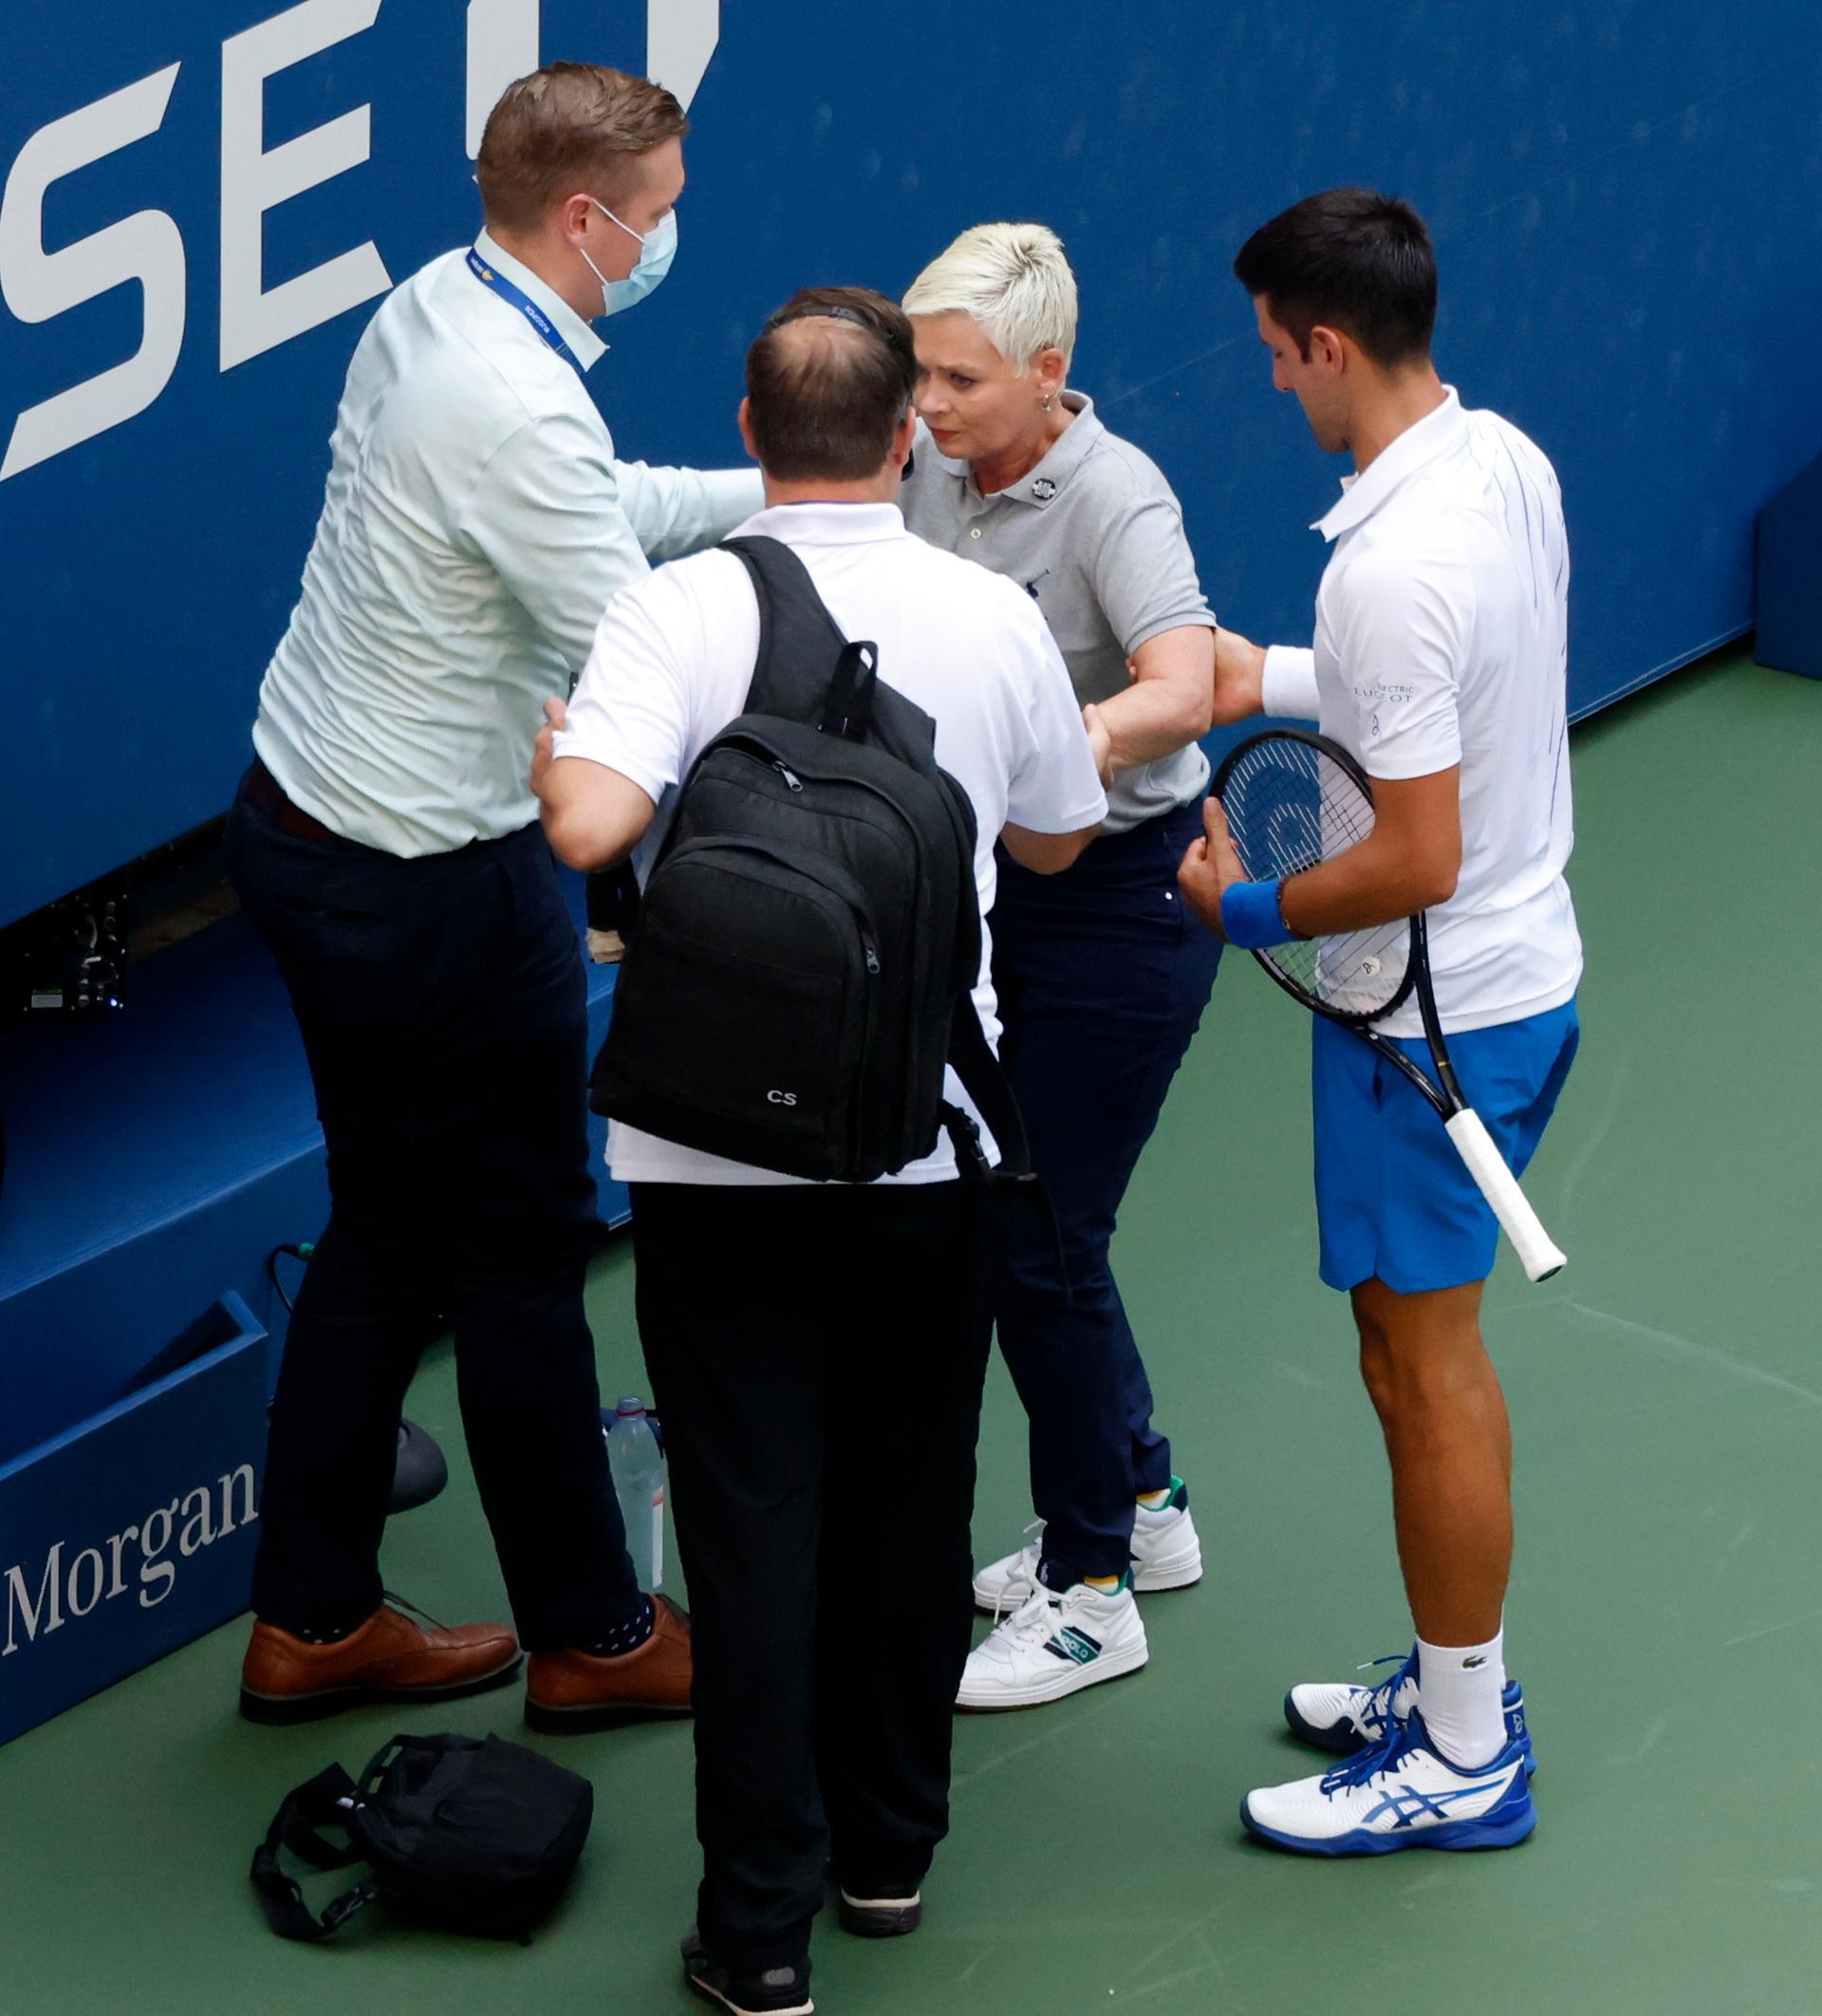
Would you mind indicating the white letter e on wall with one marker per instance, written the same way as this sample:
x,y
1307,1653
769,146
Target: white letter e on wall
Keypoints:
x,y
254,182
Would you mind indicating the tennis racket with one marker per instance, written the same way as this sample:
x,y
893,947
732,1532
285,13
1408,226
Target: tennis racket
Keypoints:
x,y
1292,799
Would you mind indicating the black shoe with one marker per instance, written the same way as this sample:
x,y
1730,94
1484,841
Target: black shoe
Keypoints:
x,y
768,1991
873,1916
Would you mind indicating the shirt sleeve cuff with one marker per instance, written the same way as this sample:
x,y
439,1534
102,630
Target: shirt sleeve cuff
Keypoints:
x,y
1396,766
1089,813
1199,617
1288,685
572,745
733,495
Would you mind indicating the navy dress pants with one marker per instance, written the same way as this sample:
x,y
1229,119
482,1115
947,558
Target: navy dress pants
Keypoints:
x,y
1103,975
442,1007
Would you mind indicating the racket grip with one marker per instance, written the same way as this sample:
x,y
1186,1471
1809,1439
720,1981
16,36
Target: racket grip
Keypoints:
x,y
1538,1254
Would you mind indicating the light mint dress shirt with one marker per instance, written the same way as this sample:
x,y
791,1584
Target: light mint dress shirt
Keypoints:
x,y
475,524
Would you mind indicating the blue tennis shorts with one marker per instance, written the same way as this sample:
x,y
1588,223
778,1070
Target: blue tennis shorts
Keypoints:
x,y
1393,1198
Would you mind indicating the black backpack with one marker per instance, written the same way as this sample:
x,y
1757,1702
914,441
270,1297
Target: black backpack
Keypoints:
x,y
810,936
473,1834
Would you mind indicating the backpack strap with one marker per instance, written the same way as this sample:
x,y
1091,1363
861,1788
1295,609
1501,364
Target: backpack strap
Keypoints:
x,y
325,1801
985,1080
796,635
988,1086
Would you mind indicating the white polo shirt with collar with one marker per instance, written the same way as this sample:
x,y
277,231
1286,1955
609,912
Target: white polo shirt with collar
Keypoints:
x,y
1443,637
475,524
673,661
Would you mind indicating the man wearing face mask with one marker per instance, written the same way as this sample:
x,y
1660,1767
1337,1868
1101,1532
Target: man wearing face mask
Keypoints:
x,y
386,847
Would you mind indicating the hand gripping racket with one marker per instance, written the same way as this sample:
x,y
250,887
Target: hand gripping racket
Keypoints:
x,y
1292,799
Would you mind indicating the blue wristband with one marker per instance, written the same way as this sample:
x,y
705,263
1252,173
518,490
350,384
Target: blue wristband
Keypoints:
x,y
1250,916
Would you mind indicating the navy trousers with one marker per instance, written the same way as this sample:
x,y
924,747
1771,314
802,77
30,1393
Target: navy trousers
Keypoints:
x,y
1102,976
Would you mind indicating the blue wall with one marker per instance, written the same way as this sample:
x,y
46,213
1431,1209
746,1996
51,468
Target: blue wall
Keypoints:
x,y
1627,201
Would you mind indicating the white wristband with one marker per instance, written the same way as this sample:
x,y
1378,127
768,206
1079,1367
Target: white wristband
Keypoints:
x,y
1288,683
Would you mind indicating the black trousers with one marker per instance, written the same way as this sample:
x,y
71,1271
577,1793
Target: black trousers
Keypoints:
x,y
818,1356
442,1007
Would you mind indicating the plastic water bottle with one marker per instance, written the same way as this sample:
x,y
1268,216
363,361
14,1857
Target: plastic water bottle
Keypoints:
x,y
636,1462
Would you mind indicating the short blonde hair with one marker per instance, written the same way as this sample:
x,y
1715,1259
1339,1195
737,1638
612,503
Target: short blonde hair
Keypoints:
x,y
566,127
1015,283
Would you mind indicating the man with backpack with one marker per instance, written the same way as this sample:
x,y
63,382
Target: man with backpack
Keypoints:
x,y
810,955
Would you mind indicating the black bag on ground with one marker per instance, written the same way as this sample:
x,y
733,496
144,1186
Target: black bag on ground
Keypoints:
x,y
809,937
473,1834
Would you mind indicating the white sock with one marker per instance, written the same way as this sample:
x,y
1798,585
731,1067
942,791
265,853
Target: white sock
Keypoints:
x,y
1458,1689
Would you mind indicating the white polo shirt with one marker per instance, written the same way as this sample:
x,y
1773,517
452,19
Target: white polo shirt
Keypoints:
x,y
1443,637
674,658
474,525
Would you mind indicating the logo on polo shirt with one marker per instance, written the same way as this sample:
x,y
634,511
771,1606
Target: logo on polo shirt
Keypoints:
x,y
1044,490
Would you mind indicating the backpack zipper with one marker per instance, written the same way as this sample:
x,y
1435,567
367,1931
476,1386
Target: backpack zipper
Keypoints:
x,y
790,777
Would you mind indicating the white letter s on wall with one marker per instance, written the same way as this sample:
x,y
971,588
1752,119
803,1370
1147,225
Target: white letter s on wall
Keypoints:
x,y
38,285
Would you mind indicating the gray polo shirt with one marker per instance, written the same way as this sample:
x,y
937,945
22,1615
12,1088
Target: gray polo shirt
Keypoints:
x,y
1095,535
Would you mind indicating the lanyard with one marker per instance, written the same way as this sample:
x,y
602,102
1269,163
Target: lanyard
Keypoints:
x,y
526,306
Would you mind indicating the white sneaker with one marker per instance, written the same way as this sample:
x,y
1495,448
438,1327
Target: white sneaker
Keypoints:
x,y
1006,1583
1402,1793
1167,1549
1054,1645
1166,1553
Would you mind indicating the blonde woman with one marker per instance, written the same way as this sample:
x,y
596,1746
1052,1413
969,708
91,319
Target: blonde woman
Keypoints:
x,y
1102,976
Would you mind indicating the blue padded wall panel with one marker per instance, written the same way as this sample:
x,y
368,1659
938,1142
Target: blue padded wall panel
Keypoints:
x,y
1627,201
1790,577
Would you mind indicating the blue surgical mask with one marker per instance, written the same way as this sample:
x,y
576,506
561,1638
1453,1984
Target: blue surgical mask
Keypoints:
x,y
657,249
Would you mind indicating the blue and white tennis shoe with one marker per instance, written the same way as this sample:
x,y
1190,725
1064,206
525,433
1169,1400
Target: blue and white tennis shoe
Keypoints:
x,y
1400,1793
1345,1717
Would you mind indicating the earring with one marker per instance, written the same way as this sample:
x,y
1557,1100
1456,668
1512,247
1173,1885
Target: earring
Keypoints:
x,y
1047,402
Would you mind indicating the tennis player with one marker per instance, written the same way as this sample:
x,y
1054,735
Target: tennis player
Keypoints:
x,y
1440,662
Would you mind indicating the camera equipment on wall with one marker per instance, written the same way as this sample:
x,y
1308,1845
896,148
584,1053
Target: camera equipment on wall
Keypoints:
x,y
70,958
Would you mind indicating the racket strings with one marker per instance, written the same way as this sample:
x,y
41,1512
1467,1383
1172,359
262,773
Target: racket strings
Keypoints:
x,y
1290,807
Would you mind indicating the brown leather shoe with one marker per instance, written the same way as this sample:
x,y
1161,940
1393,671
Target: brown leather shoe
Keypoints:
x,y
567,1692
389,1658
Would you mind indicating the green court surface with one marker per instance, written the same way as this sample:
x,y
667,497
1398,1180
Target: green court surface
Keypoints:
x,y
1666,1619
